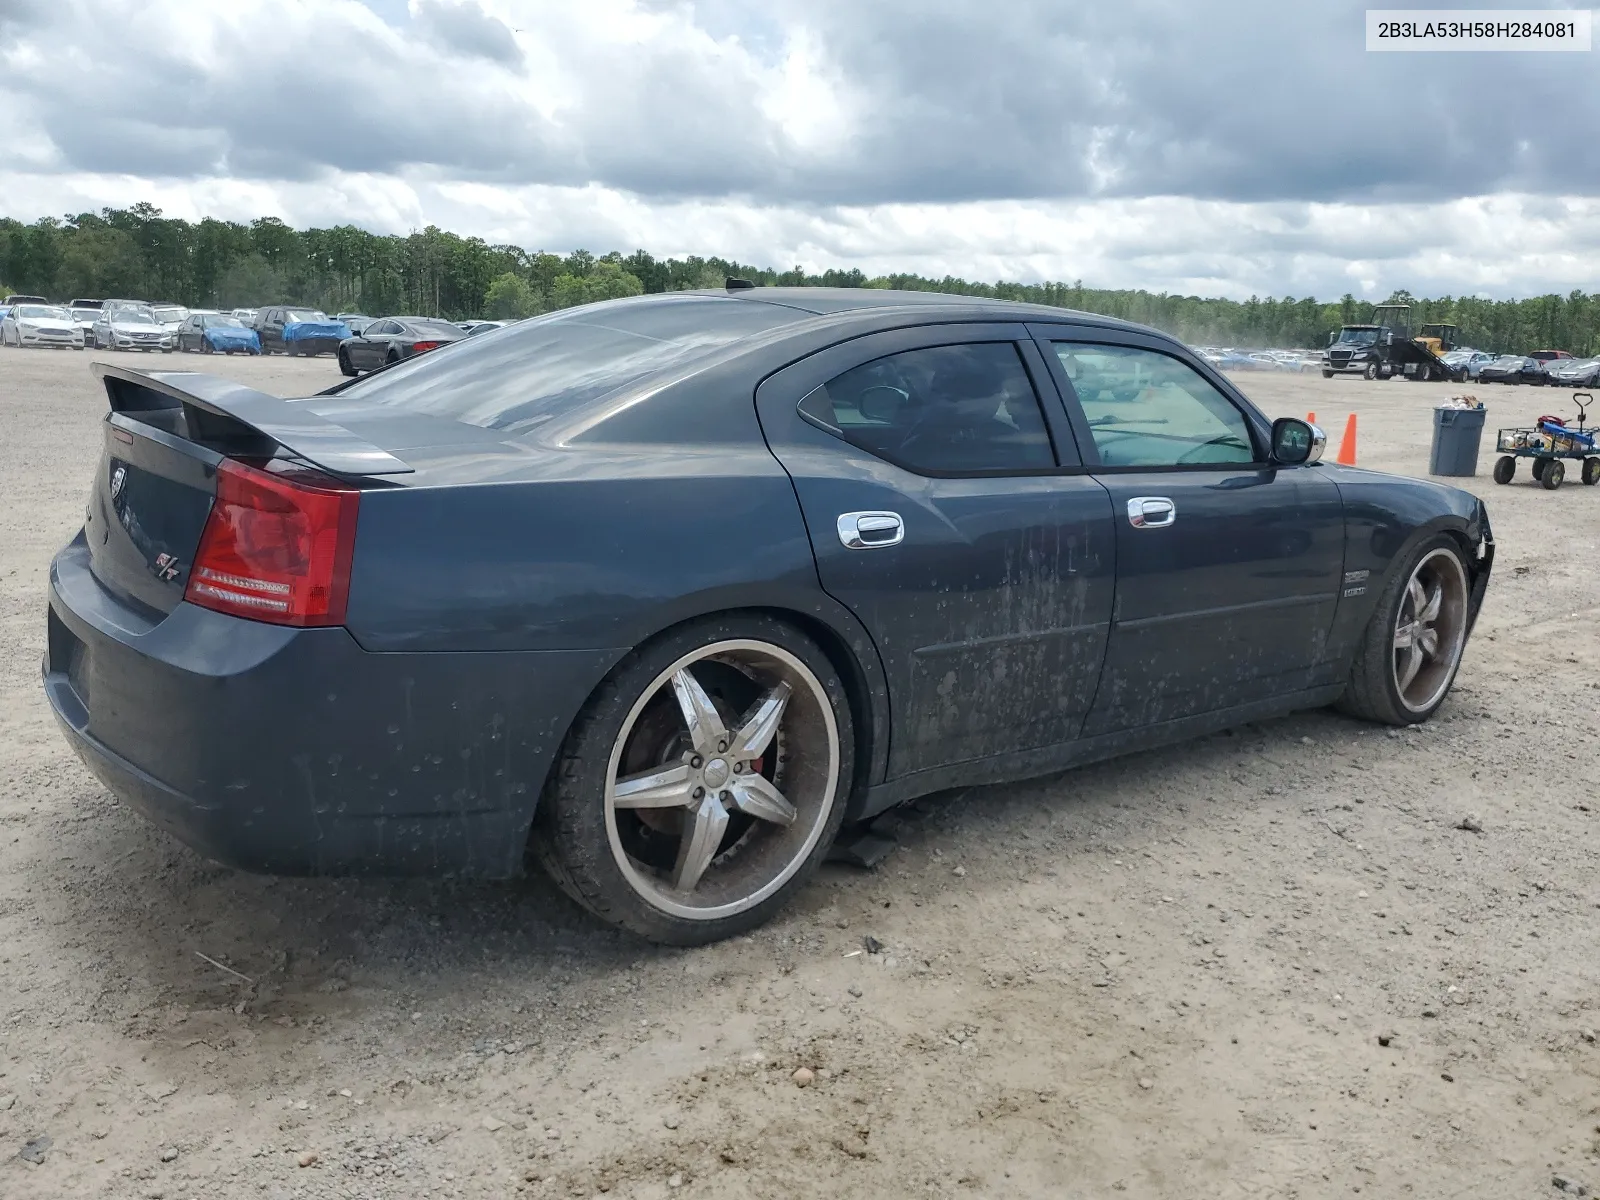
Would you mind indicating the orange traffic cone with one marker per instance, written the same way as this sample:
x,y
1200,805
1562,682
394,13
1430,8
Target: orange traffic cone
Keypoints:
x,y
1347,445
1311,418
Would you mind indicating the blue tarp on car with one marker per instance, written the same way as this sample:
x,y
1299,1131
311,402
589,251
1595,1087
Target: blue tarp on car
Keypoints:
x,y
224,338
316,331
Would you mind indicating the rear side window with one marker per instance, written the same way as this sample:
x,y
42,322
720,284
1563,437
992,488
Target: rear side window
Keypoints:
x,y
942,410
1146,409
547,367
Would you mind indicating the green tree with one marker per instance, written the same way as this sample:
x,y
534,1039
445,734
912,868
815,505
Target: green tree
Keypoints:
x,y
510,297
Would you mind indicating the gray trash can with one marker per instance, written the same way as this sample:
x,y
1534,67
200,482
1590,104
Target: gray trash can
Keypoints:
x,y
1456,434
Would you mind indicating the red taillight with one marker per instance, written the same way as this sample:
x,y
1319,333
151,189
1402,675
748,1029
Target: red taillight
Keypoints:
x,y
421,346
275,548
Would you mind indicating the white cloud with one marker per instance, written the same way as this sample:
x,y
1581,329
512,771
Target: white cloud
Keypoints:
x,y
1249,146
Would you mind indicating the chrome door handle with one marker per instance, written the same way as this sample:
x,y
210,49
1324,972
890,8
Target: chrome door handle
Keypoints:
x,y
1151,512
870,530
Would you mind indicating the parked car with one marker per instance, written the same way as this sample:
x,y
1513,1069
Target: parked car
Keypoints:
x,y
85,318
1465,364
170,316
15,299
392,339
478,327
83,302
40,325
1574,373
463,616
128,326
355,322
217,333
247,315
1513,368
1546,356
291,329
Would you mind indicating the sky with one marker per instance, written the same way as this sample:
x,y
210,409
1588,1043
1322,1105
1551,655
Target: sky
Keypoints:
x,y
1234,147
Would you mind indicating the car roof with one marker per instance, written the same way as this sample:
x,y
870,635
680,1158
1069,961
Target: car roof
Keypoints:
x,y
826,301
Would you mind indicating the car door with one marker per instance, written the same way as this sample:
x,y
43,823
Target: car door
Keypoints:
x,y
948,510
374,344
1228,568
271,330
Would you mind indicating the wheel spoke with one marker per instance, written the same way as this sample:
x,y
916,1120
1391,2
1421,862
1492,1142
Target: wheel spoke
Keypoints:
x,y
1428,639
1413,664
754,796
666,787
1404,636
756,734
1430,611
702,836
1419,598
699,714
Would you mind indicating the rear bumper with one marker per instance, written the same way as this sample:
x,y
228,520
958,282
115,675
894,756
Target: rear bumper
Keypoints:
x,y
296,751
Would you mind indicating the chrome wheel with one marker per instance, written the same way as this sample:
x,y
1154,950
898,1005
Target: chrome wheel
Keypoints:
x,y
722,779
1430,630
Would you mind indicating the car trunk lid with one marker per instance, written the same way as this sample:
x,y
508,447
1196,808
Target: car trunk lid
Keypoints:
x,y
164,440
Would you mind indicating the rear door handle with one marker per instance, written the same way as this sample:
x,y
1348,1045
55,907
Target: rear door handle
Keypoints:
x,y
1151,512
870,530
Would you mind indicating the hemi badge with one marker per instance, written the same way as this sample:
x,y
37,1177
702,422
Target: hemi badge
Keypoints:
x,y
1355,591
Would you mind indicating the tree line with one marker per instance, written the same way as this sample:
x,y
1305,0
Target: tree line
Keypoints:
x,y
138,252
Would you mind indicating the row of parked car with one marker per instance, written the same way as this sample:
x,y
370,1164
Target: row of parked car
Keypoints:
x,y
359,342
1226,358
1552,368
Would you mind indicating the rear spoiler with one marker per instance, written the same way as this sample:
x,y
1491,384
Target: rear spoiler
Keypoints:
x,y
220,409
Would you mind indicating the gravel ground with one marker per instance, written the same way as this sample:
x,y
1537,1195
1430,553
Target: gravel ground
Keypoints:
x,y
1268,963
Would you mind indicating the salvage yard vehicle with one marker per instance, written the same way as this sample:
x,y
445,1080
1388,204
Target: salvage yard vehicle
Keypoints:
x,y
386,342
217,333
40,325
1514,368
1574,373
126,325
1467,363
1385,348
292,330
659,592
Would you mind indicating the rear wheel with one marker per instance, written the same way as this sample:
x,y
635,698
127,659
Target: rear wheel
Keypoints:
x,y
1591,471
703,783
1537,468
1554,473
1504,468
1411,650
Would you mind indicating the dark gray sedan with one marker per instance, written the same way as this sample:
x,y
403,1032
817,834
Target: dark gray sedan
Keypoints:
x,y
385,342
660,592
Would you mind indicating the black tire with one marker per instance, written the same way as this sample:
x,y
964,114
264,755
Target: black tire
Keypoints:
x,y
206,347
571,837
1371,372
1537,467
1554,473
1591,471
391,358
1326,374
1504,468
1371,693
344,363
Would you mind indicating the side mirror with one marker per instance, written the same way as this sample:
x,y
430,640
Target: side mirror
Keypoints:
x,y
1295,442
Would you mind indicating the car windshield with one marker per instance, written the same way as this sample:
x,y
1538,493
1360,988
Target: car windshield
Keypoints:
x,y
434,328
295,315
544,368
1358,337
42,312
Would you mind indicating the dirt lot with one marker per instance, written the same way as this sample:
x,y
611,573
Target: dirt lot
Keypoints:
x,y
1265,964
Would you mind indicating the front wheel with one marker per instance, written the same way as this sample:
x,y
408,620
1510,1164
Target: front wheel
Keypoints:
x,y
1412,647
703,782
1371,372
1327,374
1591,471
1504,468
344,364
1553,474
